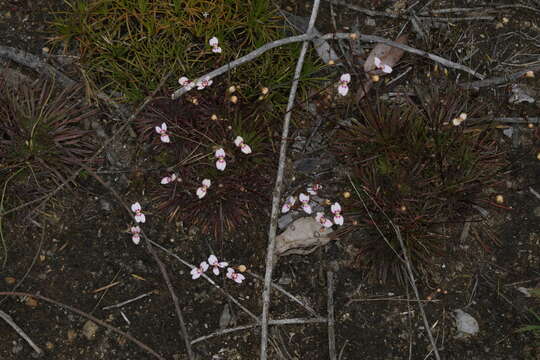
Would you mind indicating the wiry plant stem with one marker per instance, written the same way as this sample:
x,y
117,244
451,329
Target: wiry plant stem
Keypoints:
x,y
278,187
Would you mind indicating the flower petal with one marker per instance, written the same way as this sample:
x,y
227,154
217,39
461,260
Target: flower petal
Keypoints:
x,y
212,260
204,266
335,208
165,138
345,77
201,192
303,197
206,182
221,164
238,141
343,90
135,207
246,149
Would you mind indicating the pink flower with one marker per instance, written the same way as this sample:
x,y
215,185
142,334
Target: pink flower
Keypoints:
x,y
201,192
162,131
304,199
139,216
185,82
239,142
344,81
213,261
136,234
336,210
214,43
168,179
201,84
323,220
197,272
288,204
379,65
220,155
237,277
312,190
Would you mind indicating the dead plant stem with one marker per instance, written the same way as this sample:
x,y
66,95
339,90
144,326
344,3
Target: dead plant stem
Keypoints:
x,y
87,316
276,196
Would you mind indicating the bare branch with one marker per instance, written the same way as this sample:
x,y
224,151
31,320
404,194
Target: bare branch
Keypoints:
x,y
276,196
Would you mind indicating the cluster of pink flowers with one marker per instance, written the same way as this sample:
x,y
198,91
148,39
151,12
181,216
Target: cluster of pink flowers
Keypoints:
x,y
306,207
139,218
213,262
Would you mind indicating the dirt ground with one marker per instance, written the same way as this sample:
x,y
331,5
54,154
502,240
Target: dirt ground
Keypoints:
x,y
79,244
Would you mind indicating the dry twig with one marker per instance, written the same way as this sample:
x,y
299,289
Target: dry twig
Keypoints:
x,y
331,319
161,266
87,316
276,196
21,333
294,321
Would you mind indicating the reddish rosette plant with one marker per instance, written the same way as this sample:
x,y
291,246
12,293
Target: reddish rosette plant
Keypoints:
x,y
211,138
419,166
41,139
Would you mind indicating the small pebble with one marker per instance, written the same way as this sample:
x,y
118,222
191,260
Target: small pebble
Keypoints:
x,y
89,330
31,302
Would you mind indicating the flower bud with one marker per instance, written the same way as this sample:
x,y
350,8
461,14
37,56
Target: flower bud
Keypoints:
x,y
234,99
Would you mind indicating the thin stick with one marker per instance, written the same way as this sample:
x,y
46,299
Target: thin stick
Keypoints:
x,y
511,120
128,301
258,52
21,333
161,266
294,321
286,293
206,277
407,48
498,80
310,36
174,297
34,62
278,188
20,282
412,281
87,316
331,318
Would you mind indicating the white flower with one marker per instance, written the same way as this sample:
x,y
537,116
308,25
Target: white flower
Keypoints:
x,y
457,121
379,65
344,81
197,272
220,155
288,204
312,190
185,82
239,142
162,131
214,43
336,210
201,84
237,277
139,216
304,199
168,179
213,261
323,220
201,192
136,234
